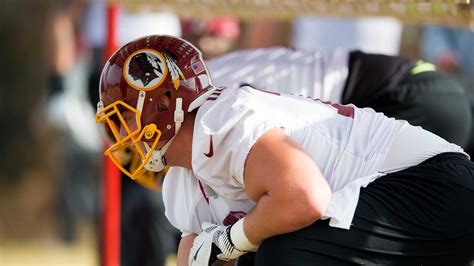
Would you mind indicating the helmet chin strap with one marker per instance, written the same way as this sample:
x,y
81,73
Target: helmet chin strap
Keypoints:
x,y
157,161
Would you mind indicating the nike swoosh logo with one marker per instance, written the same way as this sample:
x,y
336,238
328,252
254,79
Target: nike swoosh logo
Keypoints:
x,y
197,251
211,148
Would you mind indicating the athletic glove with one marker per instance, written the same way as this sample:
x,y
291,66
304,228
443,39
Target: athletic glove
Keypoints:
x,y
214,242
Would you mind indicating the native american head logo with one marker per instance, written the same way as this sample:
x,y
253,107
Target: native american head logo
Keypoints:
x,y
145,69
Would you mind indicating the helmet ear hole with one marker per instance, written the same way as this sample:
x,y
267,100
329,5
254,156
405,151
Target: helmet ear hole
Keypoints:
x,y
164,101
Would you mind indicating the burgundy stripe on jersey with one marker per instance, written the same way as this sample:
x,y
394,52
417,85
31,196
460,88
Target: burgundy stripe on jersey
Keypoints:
x,y
215,94
343,110
203,193
233,217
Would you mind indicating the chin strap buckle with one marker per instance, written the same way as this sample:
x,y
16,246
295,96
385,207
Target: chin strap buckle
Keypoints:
x,y
178,115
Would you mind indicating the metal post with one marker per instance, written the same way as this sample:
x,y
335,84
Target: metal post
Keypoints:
x,y
112,177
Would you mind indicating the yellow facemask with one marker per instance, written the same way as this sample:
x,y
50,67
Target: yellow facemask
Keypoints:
x,y
122,123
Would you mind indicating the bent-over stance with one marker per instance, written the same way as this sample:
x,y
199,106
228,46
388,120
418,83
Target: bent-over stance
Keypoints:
x,y
275,179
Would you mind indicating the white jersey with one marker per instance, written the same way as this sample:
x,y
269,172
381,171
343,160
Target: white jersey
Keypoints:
x,y
350,145
314,74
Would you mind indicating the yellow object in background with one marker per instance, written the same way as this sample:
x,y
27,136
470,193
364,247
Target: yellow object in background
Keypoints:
x,y
422,66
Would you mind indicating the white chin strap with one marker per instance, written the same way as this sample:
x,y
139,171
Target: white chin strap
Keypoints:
x,y
156,163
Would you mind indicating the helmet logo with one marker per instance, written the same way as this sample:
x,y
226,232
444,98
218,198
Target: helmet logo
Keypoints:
x,y
145,69
175,72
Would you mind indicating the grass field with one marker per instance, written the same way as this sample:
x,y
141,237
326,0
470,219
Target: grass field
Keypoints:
x,y
52,253
47,253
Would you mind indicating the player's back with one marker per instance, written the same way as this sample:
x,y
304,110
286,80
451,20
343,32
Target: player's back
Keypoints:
x,y
345,141
350,145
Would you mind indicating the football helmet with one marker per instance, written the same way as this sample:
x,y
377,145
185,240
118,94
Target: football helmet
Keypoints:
x,y
147,88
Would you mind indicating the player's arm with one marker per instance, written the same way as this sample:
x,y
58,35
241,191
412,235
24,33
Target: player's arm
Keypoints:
x,y
183,249
287,186
289,190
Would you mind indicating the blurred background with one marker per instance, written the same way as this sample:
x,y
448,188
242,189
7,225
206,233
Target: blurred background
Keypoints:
x,y
52,188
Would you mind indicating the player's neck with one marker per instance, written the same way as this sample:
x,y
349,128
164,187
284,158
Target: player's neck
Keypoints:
x,y
179,153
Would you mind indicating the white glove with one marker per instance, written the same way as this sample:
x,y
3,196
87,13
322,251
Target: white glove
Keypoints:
x,y
211,244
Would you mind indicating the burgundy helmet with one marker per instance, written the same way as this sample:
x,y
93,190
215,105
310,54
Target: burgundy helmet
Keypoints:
x,y
146,89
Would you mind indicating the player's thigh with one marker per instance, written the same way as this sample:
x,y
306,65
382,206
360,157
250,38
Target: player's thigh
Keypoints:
x,y
421,214
314,245
418,216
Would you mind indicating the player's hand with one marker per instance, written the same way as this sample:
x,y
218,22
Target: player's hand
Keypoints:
x,y
211,244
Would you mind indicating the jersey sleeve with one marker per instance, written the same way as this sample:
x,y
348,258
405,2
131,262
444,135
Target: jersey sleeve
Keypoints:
x,y
255,129
185,207
234,123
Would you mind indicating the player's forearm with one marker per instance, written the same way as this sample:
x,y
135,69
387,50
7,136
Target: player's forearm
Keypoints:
x,y
275,215
183,250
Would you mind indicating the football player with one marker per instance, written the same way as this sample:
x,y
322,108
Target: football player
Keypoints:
x,y
290,179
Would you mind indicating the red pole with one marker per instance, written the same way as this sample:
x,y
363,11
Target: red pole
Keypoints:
x,y
112,29
112,177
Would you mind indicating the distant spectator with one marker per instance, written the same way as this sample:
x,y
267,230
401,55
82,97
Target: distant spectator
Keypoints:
x,y
77,166
452,50
214,36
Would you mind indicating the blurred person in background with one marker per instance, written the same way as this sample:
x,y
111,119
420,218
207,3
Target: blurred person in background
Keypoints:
x,y
402,88
214,36
25,213
147,238
264,32
77,138
452,50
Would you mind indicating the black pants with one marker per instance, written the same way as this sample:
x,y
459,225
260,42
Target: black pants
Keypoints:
x,y
423,215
